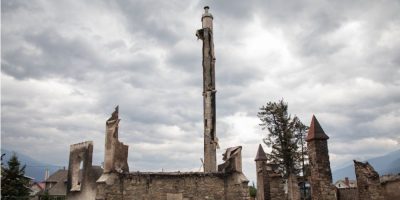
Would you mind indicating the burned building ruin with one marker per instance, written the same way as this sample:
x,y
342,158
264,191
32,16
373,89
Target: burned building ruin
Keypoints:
x,y
225,181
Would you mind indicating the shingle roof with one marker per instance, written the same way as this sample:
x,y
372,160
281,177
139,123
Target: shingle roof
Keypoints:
x,y
59,189
316,132
60,179
260,154
58,176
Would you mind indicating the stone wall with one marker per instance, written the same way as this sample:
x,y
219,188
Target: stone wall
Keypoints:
x,y
115,152
321,177
82,182
171,186
277,187
391,189
368,183
347,194
262,182
293,187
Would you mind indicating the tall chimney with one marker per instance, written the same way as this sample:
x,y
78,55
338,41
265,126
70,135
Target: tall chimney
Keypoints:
x,y
210,138
46,174
207,19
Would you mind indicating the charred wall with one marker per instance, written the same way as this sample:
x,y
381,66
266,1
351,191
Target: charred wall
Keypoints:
x,y
171,186
82,175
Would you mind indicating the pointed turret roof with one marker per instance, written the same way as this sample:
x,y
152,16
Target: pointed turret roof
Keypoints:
x,y
261,156
316,132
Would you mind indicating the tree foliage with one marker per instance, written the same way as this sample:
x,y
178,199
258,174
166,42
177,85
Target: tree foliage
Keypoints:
x,y
285,137
14,184
253,191
45,195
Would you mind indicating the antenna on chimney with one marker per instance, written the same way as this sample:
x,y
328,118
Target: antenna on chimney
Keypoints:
x,y
46,173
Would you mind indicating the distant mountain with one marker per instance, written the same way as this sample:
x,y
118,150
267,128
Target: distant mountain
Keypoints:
x,y
34,168
387,164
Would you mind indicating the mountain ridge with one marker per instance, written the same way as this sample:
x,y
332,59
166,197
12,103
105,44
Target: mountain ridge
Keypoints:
x,y
34,169
386,164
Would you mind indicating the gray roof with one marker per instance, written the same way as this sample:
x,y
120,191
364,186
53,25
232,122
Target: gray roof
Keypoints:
x,y
58,176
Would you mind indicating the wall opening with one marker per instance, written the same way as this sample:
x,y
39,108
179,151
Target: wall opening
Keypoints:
x,y
76,178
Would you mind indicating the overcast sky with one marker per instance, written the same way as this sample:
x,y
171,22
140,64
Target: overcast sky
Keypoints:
x,y
65,65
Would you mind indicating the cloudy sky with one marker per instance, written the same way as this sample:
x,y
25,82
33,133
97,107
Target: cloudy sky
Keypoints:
x,y
65,65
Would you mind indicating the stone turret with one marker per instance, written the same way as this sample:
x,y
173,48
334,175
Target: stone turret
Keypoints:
x,y
270,183
316,132
321,175
210,138
262,181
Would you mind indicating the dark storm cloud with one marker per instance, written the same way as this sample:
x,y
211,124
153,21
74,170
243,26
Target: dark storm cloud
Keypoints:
x,y
66,65
69,58
140,19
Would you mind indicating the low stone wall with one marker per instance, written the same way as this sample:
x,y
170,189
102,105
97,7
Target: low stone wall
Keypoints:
x,y
277,187
171,186
391,189
347,194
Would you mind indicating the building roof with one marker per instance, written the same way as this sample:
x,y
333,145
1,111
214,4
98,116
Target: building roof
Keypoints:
x,y
59,180
351,183
37,188
316,132
260,154
58,176
41,185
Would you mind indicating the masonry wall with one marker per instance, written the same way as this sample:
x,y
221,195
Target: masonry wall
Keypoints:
x,y
293,188
171,186
81,183
277,185
262,181
347,194
368,183
321,176
391,189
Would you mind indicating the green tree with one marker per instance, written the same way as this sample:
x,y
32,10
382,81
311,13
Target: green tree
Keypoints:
x,y
253,191
45,196
285,137
14,184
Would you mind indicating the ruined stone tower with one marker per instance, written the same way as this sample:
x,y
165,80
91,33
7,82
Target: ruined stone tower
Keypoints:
x,y
321,175
210,139
368,183
116,153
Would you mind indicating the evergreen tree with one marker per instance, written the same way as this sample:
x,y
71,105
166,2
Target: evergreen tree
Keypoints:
x,y
14,185
45,196
285,137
